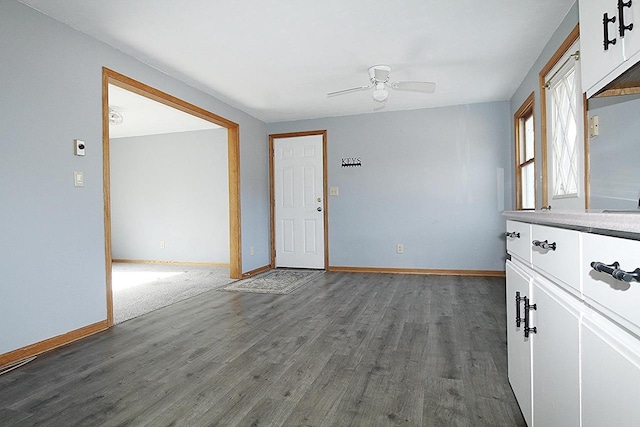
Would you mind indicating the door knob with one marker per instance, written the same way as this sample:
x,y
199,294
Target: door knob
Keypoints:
x,y
319,209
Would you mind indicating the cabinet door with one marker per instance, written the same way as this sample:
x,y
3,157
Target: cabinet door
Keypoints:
x,y
597,62
518,347
610,375
631,15
555,357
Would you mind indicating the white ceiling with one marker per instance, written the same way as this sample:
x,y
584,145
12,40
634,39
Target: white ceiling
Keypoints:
x,y
144,116
277,59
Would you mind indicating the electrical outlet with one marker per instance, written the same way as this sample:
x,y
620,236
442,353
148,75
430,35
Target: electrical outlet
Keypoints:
x,y
161,244
252,251
399,248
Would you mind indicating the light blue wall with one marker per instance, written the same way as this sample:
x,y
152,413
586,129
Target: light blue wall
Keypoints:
x,y
531,83
430,179
52,272
615,153
172,188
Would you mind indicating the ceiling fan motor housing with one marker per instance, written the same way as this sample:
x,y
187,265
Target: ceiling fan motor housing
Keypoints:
x,y
379,73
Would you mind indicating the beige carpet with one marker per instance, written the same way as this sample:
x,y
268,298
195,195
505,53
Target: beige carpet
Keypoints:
x,y
141,288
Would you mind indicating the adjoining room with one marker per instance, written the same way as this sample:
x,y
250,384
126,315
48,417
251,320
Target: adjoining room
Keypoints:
x,y
169,204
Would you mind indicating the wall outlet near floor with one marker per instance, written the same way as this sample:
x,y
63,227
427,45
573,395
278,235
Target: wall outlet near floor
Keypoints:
x,y
399,248
161,244
252,251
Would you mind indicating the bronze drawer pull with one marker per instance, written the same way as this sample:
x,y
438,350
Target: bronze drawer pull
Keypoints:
x,y
545,245
614,271
527,307
518,318
605,27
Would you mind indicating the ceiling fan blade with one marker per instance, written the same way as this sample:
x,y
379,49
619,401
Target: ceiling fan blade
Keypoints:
x,y
427,87
353,89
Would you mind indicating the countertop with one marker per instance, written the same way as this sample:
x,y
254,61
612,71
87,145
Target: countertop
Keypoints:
x,y
619,224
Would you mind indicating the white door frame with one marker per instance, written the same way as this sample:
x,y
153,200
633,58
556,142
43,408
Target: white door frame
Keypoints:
x,y
324,190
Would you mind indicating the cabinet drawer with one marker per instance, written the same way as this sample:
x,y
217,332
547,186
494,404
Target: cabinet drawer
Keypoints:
x,y
617,299
561,260
519,240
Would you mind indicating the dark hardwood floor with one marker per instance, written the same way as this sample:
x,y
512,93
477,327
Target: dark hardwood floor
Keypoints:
x,y
347,349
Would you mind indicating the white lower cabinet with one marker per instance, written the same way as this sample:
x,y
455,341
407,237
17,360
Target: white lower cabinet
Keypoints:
x,y
580,364
555,356
610,375
543,364
519,347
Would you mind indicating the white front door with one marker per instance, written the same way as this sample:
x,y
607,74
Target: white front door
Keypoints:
x,y
299,201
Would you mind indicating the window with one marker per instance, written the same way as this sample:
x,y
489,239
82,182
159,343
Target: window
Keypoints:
x,y
563,93
524,126
563,145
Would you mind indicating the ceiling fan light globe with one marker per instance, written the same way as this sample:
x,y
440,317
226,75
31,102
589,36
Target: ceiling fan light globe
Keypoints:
x,y
380,95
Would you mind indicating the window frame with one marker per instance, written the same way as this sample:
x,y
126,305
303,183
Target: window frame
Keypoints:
x,y
558,131
573,36
526,110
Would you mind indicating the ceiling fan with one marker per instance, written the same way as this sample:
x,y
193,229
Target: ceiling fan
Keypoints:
x,y
379,77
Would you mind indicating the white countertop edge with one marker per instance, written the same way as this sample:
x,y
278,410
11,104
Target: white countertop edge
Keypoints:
x,y
594,222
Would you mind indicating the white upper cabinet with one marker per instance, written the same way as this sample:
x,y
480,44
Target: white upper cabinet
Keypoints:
x,y
632,37
609,39
597,61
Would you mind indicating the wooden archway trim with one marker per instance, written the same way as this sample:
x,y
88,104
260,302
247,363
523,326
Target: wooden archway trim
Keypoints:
x,y
233,142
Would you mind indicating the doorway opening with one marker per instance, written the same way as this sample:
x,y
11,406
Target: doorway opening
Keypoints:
x,y
119,81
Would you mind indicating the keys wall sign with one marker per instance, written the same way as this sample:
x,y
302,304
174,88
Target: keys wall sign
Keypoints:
x,y
351,162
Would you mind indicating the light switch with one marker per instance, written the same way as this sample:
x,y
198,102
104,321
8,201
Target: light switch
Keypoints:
x,y
78,177
333,191
78,147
